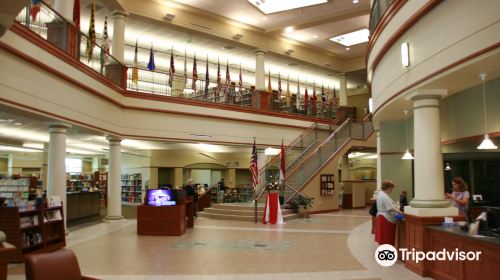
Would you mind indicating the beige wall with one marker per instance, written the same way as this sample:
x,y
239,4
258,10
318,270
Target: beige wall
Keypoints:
x,y
360,101
3,165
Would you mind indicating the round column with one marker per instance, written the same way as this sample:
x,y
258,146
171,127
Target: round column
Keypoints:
x,y
260,72
56,167
65,8
343,90
429,182
114,210
118,39
379,161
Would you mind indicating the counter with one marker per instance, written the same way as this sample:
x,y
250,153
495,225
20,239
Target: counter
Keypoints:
x,y
83,204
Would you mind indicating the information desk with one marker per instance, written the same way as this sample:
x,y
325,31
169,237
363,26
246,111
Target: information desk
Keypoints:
x,y
165,220
83,204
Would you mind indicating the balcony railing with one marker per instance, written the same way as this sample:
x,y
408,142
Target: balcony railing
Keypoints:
x,y
378,9
56,30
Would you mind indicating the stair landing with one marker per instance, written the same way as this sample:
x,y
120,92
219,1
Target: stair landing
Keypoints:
x,y
241,212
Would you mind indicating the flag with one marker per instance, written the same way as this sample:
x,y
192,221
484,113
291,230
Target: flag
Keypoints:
x,y
185,69
151,63
135,69
171,70
228,80
334,99
323,98
254,169
279,87
313,100
76,14
217,89
91,38
36,5
269,88
195,73
282,168
287,95
297,103
105,43
306,100
207,78
240,84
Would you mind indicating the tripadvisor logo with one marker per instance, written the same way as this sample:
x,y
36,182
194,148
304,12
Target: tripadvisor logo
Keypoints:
x,y
387,255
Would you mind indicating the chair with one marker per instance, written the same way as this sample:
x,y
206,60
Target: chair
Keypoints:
x,y
57,265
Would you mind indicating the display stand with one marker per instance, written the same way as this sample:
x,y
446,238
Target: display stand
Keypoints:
x,y
165,220
272,210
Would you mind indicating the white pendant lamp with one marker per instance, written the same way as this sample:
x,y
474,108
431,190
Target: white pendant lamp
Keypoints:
x,y
487,144
407,154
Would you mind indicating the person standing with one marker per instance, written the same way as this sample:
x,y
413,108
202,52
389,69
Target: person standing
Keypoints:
x,y
385,232
459,197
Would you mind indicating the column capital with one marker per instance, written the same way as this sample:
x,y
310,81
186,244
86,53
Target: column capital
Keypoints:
x,y
58,127
260,51
114,139
342,75
119,14
427,94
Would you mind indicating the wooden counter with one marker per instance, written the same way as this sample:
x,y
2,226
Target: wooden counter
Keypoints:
x,y
165,220
6,250
83,204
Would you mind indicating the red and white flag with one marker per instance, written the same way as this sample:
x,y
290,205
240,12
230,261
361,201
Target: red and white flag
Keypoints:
x,y
283,166
254,168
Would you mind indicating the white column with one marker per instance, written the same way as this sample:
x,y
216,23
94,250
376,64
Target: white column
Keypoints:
x,y
343,90
260,72
65,8
10,165
379,161
429,172
118,41
45,164
56,169
114,211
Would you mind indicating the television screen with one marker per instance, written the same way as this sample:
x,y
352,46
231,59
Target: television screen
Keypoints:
x,y
160,197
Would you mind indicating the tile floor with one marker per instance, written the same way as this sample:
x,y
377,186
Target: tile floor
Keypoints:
x,y
326,246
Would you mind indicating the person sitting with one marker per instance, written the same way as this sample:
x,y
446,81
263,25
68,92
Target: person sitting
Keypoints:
x,y
385,231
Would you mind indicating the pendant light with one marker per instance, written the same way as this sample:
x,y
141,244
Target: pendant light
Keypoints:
x,y
487,144
407,154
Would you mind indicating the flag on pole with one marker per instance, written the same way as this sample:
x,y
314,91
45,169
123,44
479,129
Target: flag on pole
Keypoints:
x,y
313,100
287,94
283,166
76,14
279,87
228,81
254,169
297,103
151,63
269,88
171,70
207,77
240,84
217,89
185,69
36,5
195,73
105,46
91,39
323,98
306,100
334,99
135,69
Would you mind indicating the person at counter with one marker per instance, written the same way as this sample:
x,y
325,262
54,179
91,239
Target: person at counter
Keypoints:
x,y
459,197
385,232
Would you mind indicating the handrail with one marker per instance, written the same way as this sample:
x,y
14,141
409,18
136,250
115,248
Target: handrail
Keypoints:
x,y
377,10
368,117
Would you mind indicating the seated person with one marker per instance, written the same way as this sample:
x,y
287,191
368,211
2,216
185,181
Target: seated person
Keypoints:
x,y
190,191
201,190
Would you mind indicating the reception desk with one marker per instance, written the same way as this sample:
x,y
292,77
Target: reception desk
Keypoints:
x,y
83,204
165,220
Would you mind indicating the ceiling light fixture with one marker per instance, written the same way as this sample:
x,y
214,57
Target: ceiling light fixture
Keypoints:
x,y
407,154
355,1
352,38
405,54
447,167
271,151
289,29
315,36
347,49
274,6
169,17
487,144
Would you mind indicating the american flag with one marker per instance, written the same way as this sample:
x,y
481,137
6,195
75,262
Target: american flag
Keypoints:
x,y
217,89
91,39
228,81
207,77
171,71
240,84
313,101
195,73
334,99
254,169
76,14
36,5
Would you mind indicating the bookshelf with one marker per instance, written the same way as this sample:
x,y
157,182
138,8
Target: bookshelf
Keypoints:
x,y
101,183
326,186
79,181
132,191
17,187
33,229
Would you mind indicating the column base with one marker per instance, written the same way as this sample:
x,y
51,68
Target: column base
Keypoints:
x,y
431,212
113,217
429,203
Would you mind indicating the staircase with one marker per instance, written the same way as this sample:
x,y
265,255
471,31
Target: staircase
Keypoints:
x,y
241,212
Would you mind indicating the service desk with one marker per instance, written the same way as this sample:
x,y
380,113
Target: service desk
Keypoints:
x,y
165,220
83,204
449,238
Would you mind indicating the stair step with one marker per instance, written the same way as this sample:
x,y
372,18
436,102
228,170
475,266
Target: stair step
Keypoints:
x,y
242,212
228,206
242,218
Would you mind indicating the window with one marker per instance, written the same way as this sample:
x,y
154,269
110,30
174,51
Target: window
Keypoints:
x,y
74,165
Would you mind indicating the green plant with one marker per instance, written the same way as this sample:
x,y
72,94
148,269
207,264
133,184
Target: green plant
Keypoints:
x,y
301,200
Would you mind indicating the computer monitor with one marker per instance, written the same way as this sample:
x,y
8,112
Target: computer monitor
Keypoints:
x,y
160,197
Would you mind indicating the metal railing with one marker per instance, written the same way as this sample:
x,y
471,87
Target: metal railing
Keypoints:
x,y
379,7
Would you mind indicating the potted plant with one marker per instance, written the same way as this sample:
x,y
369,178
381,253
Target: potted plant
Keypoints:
x,y
304,201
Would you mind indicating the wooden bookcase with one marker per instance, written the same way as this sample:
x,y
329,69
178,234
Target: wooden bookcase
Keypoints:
x,y
33,231
101,183
132,188
327,184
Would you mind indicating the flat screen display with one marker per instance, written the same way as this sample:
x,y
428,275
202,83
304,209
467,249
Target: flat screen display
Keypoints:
x,y
160,197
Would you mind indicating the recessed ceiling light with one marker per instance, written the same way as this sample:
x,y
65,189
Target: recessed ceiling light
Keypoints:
x,y
274,6
352,38
347,49
355,1
18,123
315,36
264,18
289,29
